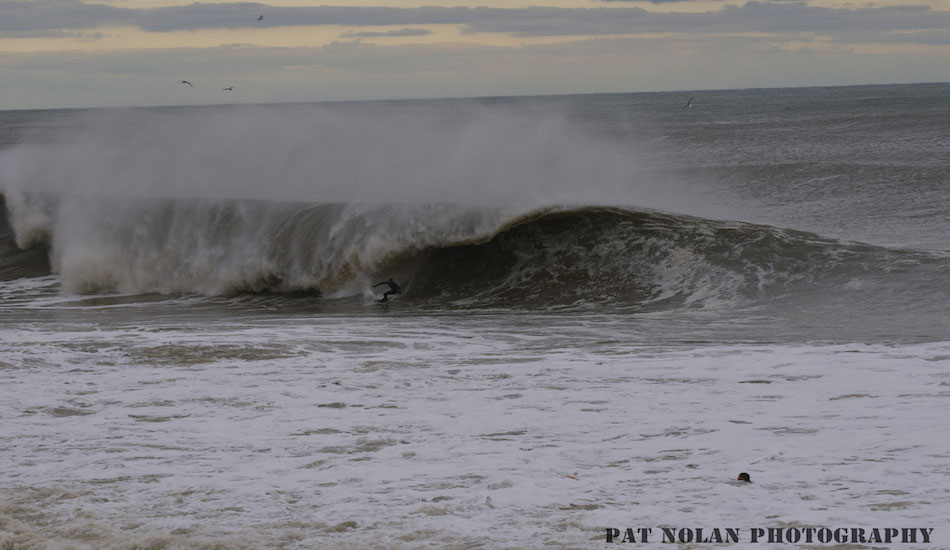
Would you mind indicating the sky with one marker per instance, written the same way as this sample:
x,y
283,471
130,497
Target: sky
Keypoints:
x,y
76,53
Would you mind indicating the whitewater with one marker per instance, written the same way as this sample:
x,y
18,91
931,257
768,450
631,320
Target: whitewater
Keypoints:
x,y
612,305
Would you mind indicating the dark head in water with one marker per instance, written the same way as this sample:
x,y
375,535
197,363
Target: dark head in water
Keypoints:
x,y
745,477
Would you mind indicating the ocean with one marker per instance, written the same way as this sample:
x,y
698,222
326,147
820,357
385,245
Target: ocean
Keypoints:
x,y
612,304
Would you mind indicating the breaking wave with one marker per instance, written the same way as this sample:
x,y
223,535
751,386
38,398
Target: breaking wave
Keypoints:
x,y
464,205
445,254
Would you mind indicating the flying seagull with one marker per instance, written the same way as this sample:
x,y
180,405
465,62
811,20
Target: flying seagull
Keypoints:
x,y
688,103
260,17
228,89
188,83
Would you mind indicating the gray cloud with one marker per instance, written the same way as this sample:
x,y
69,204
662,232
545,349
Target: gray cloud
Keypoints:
x,y
396,32
753,16
23,15
203,16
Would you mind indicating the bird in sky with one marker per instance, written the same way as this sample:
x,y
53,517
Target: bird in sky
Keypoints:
x,y
228,89
188,83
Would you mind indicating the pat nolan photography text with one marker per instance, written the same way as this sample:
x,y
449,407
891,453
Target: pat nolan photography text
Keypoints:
x,y
771,535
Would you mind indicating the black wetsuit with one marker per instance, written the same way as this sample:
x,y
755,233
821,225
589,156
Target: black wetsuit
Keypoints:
x,y
393,288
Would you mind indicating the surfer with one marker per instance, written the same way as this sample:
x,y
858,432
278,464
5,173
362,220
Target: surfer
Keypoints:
x,y
393,289
745,477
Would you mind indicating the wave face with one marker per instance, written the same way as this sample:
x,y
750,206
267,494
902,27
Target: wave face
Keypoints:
x,y
650,261
445,255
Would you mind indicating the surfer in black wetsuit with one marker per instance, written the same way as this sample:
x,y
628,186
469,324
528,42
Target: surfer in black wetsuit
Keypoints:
x,y
393,289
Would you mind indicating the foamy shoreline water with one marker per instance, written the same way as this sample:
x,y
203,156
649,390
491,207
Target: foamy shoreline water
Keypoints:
x,y
454,432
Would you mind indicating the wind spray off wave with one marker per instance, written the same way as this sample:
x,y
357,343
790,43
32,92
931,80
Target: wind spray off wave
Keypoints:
x,y
224,200
468,155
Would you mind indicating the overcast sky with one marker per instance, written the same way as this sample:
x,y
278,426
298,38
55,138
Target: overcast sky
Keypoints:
x,y
74,53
